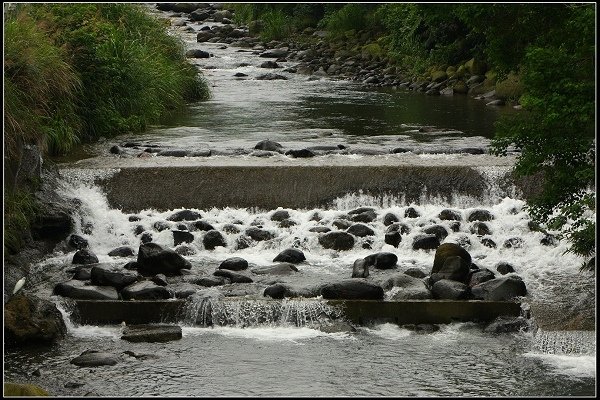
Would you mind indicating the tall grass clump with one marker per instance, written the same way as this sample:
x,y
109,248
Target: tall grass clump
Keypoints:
x,y
351,17
275,26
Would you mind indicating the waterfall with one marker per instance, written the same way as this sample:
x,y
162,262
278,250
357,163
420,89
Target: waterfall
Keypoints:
x,y
211,309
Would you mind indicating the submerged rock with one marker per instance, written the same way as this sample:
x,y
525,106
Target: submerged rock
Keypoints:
x,y
284,268
93,358
232,276
151,333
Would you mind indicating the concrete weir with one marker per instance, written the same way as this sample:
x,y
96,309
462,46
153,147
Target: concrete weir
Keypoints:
x,y
201,183
356,311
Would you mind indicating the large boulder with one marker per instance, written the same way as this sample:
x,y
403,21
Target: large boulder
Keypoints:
x,y
234,264
450,290
145,290
360,230
232,276
480,215
500,289
360,268
284,268
383,260
480,276
449,215
352,289
184,215
78,242
154,259
122,251
449,250
259,234
390,218
105,275
365,216
455,268
337,240
182,237
200,226
76,289
28,319
280,215
268,145
408,288
290,256
151,333
84,256
93,358
213,239
425,242
438,230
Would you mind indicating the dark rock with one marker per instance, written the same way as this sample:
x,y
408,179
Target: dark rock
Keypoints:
x,y
230,228
123,251
411,212
291,256
447,214
447,250
319,229
84,256
240,74
515,242
104,275
145,290
78,242
269,64
138,229
161,226
480,276
232,276
480,215
352,289
409,288
455,268
268,145
287,223
154,259
79,290
382,260
131,265
360,230
360,210
213,239
151,333
197,53
389,219
201,226
366,216
455,226
487,242
270,77
29,319
504,268
415,272
425,242
393,238
360,268
234,264
184,215
480,228
337,327
302,153
146,237
83,273
274,53
279,291
184,290
438,230
173,153
505,324
284,268
182,237
337,240
280,215
341,223
549,240
450,290
500,289
259,234
95,359
160,280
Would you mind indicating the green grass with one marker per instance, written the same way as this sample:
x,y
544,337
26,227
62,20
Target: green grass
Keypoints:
x,y
19,209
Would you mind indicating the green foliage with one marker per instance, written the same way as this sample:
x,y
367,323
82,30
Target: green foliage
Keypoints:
x,y
19,209
275,26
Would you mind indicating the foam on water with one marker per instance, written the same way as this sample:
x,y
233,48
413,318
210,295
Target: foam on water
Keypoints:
x,y
576,366
262,333
389,331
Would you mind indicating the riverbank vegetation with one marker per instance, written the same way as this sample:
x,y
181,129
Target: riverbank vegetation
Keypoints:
x,y
539,56
77,72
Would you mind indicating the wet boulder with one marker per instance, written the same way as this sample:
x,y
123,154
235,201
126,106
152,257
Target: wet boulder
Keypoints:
x,y
234,264
200,226
155,333
280,215
352,289
270,77
300,153
383,260
77,242
123,251
389,219
154,259
207,281
480,215
448,214
145,290
274,53
29,319
229,228
505,288
360,268
258,234
487,242
407,288
94,358
284,268
84,256
337,240
83,273
287,223
197,53
480,228
320,229
341,223
75,289
184,215
268,145
213,239
365,216
450,290
411,212
105,275
182,237
161,226
279,291
233,276
425,242
506,324
515,242
480,276
438,230
447,250
290,256
415,272
160,280
455,268
360,230
504,268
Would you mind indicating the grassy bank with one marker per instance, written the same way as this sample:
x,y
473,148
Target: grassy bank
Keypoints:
x,y
77,72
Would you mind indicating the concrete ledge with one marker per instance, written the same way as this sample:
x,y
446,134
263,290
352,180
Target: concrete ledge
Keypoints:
x,y
357,311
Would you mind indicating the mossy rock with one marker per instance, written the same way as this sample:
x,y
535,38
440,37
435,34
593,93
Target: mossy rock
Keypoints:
x,y
450,70
460,71
460,87
475,67
438,76
349,34
484,87
18,389
491,75
372,49
509,88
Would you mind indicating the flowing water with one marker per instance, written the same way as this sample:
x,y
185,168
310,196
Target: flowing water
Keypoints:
x,y
241,346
